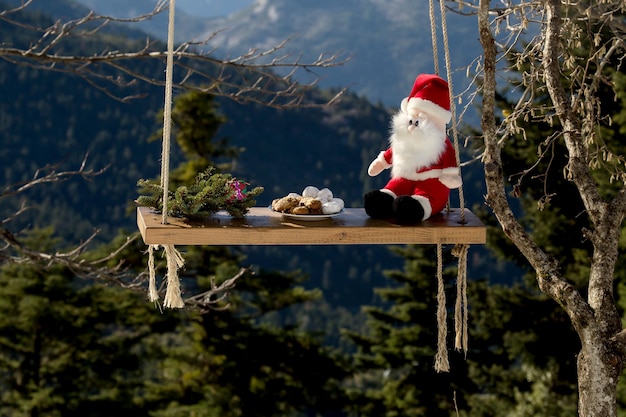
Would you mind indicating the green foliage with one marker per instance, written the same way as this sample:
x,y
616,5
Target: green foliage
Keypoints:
x,y
211,192
196,121
522,351
396,357
521,357
241,368
69,347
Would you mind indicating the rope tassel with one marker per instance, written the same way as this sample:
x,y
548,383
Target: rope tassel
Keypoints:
x,y
175,261
153,294
441,359
460,308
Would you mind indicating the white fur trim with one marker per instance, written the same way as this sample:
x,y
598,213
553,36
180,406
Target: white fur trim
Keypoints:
x,y
403,104
389,192
414,105
428,210
431,173
451,171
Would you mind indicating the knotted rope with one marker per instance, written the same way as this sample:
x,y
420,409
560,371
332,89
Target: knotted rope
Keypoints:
x,y
460,250
174,260
167,110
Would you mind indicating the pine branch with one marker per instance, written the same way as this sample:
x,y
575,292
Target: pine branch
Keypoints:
x,y
211,192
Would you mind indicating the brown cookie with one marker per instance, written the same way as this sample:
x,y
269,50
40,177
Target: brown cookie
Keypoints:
x,y
300,210
285,204
311,203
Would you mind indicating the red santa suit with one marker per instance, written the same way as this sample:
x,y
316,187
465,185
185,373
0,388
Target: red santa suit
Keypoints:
x,y
425,186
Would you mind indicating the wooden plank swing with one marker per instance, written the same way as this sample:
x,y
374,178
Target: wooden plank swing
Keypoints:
x,y
262,226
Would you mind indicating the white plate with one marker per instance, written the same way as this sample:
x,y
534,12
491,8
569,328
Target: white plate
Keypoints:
x,y
308,217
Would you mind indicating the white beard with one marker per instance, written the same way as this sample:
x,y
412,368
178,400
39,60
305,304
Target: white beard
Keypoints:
x,y
414,150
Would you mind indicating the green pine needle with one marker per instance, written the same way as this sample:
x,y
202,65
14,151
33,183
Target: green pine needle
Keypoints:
x,y
211,192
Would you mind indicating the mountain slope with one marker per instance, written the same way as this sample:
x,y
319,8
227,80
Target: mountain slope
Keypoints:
x,y
206,8
390,40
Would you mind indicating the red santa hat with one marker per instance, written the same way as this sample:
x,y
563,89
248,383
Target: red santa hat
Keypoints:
x,y
430,95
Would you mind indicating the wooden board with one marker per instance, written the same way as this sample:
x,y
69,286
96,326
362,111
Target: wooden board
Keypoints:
x,y
262,226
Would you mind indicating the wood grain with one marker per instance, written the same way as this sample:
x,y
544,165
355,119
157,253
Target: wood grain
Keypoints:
x,y
263,226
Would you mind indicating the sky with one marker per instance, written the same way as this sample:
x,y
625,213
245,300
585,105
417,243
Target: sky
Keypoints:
x,y
212,8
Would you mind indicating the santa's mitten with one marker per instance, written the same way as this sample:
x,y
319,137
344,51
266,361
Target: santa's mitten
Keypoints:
x,y
407,210
375,168
378,205
451,180
378,165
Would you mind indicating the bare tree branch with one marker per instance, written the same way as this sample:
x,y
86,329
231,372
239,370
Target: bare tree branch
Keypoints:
x,y
16,252
261,76
548,275
49,174
214,299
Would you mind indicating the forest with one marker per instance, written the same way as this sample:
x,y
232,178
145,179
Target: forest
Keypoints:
x,y
303,332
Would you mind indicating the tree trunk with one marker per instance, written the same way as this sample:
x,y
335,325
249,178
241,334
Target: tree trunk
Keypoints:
x,y
598,373
597,321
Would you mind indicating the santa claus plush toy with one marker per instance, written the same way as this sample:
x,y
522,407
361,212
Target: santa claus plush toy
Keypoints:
x,y
421,157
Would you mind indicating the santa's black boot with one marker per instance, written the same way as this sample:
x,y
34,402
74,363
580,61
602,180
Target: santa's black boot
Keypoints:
x,y
378,205
407,210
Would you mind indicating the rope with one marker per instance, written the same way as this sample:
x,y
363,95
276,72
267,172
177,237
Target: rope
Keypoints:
x,y
175,261
460,308
433,35
461,313
167,111
153,294
441,359
455,134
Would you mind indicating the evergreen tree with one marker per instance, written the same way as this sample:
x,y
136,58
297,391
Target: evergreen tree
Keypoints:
x,y
236,365
396,358
196,122
515,360
521,358
68,347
